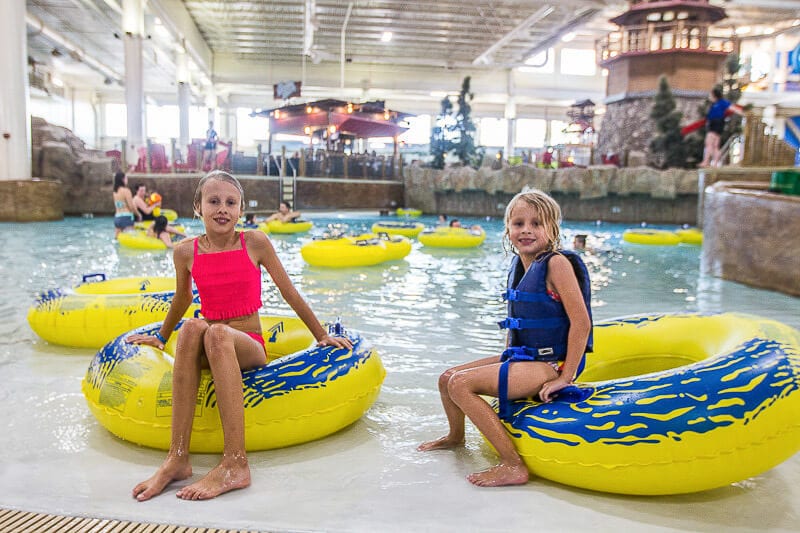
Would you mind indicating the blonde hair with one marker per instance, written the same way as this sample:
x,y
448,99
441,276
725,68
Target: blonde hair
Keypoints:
x,y
549,211
216,175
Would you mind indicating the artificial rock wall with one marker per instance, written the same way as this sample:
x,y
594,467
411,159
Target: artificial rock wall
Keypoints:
x,y
750,236
639,194
627,127
85,175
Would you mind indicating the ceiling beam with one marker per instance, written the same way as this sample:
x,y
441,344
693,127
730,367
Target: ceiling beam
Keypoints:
x,y
577,20
486,55
179,23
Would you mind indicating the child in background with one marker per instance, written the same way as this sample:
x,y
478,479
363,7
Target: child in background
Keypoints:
x,y
160,229
226,267
285,213
549,332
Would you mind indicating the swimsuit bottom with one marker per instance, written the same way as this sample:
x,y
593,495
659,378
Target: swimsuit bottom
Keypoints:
x,y
257,336
125,220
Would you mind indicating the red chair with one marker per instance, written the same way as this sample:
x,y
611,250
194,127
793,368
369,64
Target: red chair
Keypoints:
x,y
141,164
222,160
158,158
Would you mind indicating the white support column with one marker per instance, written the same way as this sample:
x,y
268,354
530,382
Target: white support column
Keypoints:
x,y
15,124
184,99
228,123
184,102
510,115
211,107
133,26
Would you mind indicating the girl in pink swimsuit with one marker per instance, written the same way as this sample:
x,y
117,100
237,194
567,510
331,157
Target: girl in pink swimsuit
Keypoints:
x,y
226,268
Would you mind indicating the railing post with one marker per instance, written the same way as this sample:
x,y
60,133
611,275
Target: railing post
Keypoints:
x,y
172,154
302,163
259,160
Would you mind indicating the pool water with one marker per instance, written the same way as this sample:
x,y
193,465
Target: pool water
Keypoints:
x,y
435,309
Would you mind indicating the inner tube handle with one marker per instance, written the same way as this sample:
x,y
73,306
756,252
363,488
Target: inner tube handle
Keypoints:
x,y
88,277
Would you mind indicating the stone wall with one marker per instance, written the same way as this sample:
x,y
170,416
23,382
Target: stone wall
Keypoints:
x,y
261,193
750,236
31,200
640,194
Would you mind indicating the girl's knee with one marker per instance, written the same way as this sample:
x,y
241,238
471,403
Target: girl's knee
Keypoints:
x,y
194,327
458,384
216,336
444,378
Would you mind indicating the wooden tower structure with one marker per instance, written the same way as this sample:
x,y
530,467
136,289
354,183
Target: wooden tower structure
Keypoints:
x,y
655,38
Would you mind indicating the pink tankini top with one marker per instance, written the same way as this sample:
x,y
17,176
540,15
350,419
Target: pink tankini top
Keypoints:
x,y
229,284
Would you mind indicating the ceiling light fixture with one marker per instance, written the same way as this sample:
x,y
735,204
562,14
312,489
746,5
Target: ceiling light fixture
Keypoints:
x,y
386,37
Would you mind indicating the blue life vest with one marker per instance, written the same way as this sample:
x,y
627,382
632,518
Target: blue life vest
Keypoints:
x,y
538,324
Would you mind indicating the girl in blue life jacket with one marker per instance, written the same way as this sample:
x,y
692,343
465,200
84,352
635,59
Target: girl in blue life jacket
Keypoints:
x,y
549,327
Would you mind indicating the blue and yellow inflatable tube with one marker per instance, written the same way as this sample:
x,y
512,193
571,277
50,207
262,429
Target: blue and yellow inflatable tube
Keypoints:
x,y
670,404
94,312
293,399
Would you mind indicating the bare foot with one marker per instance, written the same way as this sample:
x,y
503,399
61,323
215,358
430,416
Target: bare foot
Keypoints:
x,y
172,469
444,443
230,474
500,476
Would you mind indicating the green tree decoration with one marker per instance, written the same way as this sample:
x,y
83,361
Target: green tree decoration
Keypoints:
x,y
454,131
464,142
441,134
666,148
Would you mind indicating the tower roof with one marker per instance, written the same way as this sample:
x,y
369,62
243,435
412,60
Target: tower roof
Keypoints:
x,y
640,9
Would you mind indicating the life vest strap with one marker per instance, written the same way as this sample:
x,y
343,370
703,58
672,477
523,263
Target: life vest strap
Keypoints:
x,y
530,323
513,354
513,295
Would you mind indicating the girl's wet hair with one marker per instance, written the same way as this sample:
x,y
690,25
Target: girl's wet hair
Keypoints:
x,y
119,180
216,175
549,211
160,224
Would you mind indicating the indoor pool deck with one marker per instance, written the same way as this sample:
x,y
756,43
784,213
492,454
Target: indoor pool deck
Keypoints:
x,y
303,488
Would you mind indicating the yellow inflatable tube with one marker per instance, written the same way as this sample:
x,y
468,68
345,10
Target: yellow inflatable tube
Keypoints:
x,y
670,404
408,212
343,252
293,399
406,229
655,237
171,214
94,312
690,236
299,226
139,240
397,246
144,224
447,237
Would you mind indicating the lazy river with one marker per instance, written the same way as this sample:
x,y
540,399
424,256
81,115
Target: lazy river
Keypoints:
x,y
434,309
